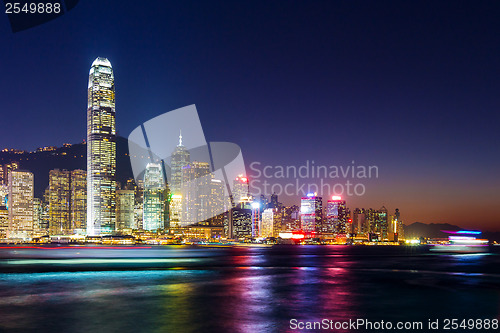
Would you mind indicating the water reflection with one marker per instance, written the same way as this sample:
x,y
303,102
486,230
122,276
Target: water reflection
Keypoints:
x,y
240,289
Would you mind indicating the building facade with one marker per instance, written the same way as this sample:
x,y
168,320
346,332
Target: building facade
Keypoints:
x,y
154,198
311,213
20,204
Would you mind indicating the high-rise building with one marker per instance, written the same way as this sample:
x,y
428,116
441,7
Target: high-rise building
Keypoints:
x,y
67,201
78,201
21,189
396,231
359,222
37,215
268,223
273,203
5,169
101,149
336,216
381,223
256,219
4,194
240,189
180,158
59,201
311,213
154,198
125,200
291,218
196,178
4,221
241,222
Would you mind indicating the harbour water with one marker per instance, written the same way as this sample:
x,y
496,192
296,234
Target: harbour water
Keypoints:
x,y
240,289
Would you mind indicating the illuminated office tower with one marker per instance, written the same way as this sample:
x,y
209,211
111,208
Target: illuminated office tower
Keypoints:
x,y
101,149
5,169
273,203
240,189
267,223
4,221
381,223
125,209
59,201
21,187
37,215
291,218
336,216
396,231
78,192
311,213
359,221
154,198
241,221
4,194
195,177
256,219
215,206
175,211
179,159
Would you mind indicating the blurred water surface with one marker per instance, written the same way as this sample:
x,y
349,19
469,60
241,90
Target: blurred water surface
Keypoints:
x,y
238,289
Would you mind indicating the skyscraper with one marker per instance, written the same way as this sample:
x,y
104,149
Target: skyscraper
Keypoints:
x,y
311,213
21,190
381,223
195,178
267,223
180,158
59,201
336,216
154,198
101,149
240,189
125,209
78,191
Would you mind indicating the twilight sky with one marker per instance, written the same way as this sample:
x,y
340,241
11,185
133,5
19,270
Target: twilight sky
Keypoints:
x,y
411,88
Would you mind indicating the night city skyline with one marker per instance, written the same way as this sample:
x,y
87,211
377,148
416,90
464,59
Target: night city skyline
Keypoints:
x,y
413,92
250,166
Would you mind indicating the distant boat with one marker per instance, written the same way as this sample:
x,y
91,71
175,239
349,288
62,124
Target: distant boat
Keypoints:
x,y
462,241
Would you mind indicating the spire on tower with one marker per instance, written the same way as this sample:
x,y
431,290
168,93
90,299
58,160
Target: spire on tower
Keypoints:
x,y
180,138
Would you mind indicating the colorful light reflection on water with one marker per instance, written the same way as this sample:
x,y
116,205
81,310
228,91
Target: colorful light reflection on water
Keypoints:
x,y
182,289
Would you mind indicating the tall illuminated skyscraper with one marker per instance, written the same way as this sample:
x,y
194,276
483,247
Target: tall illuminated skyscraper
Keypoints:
x,y
21,189
124,209
180,158
336,216
311,213
59,201
195,177
101,149
154,198
78,191
240,189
